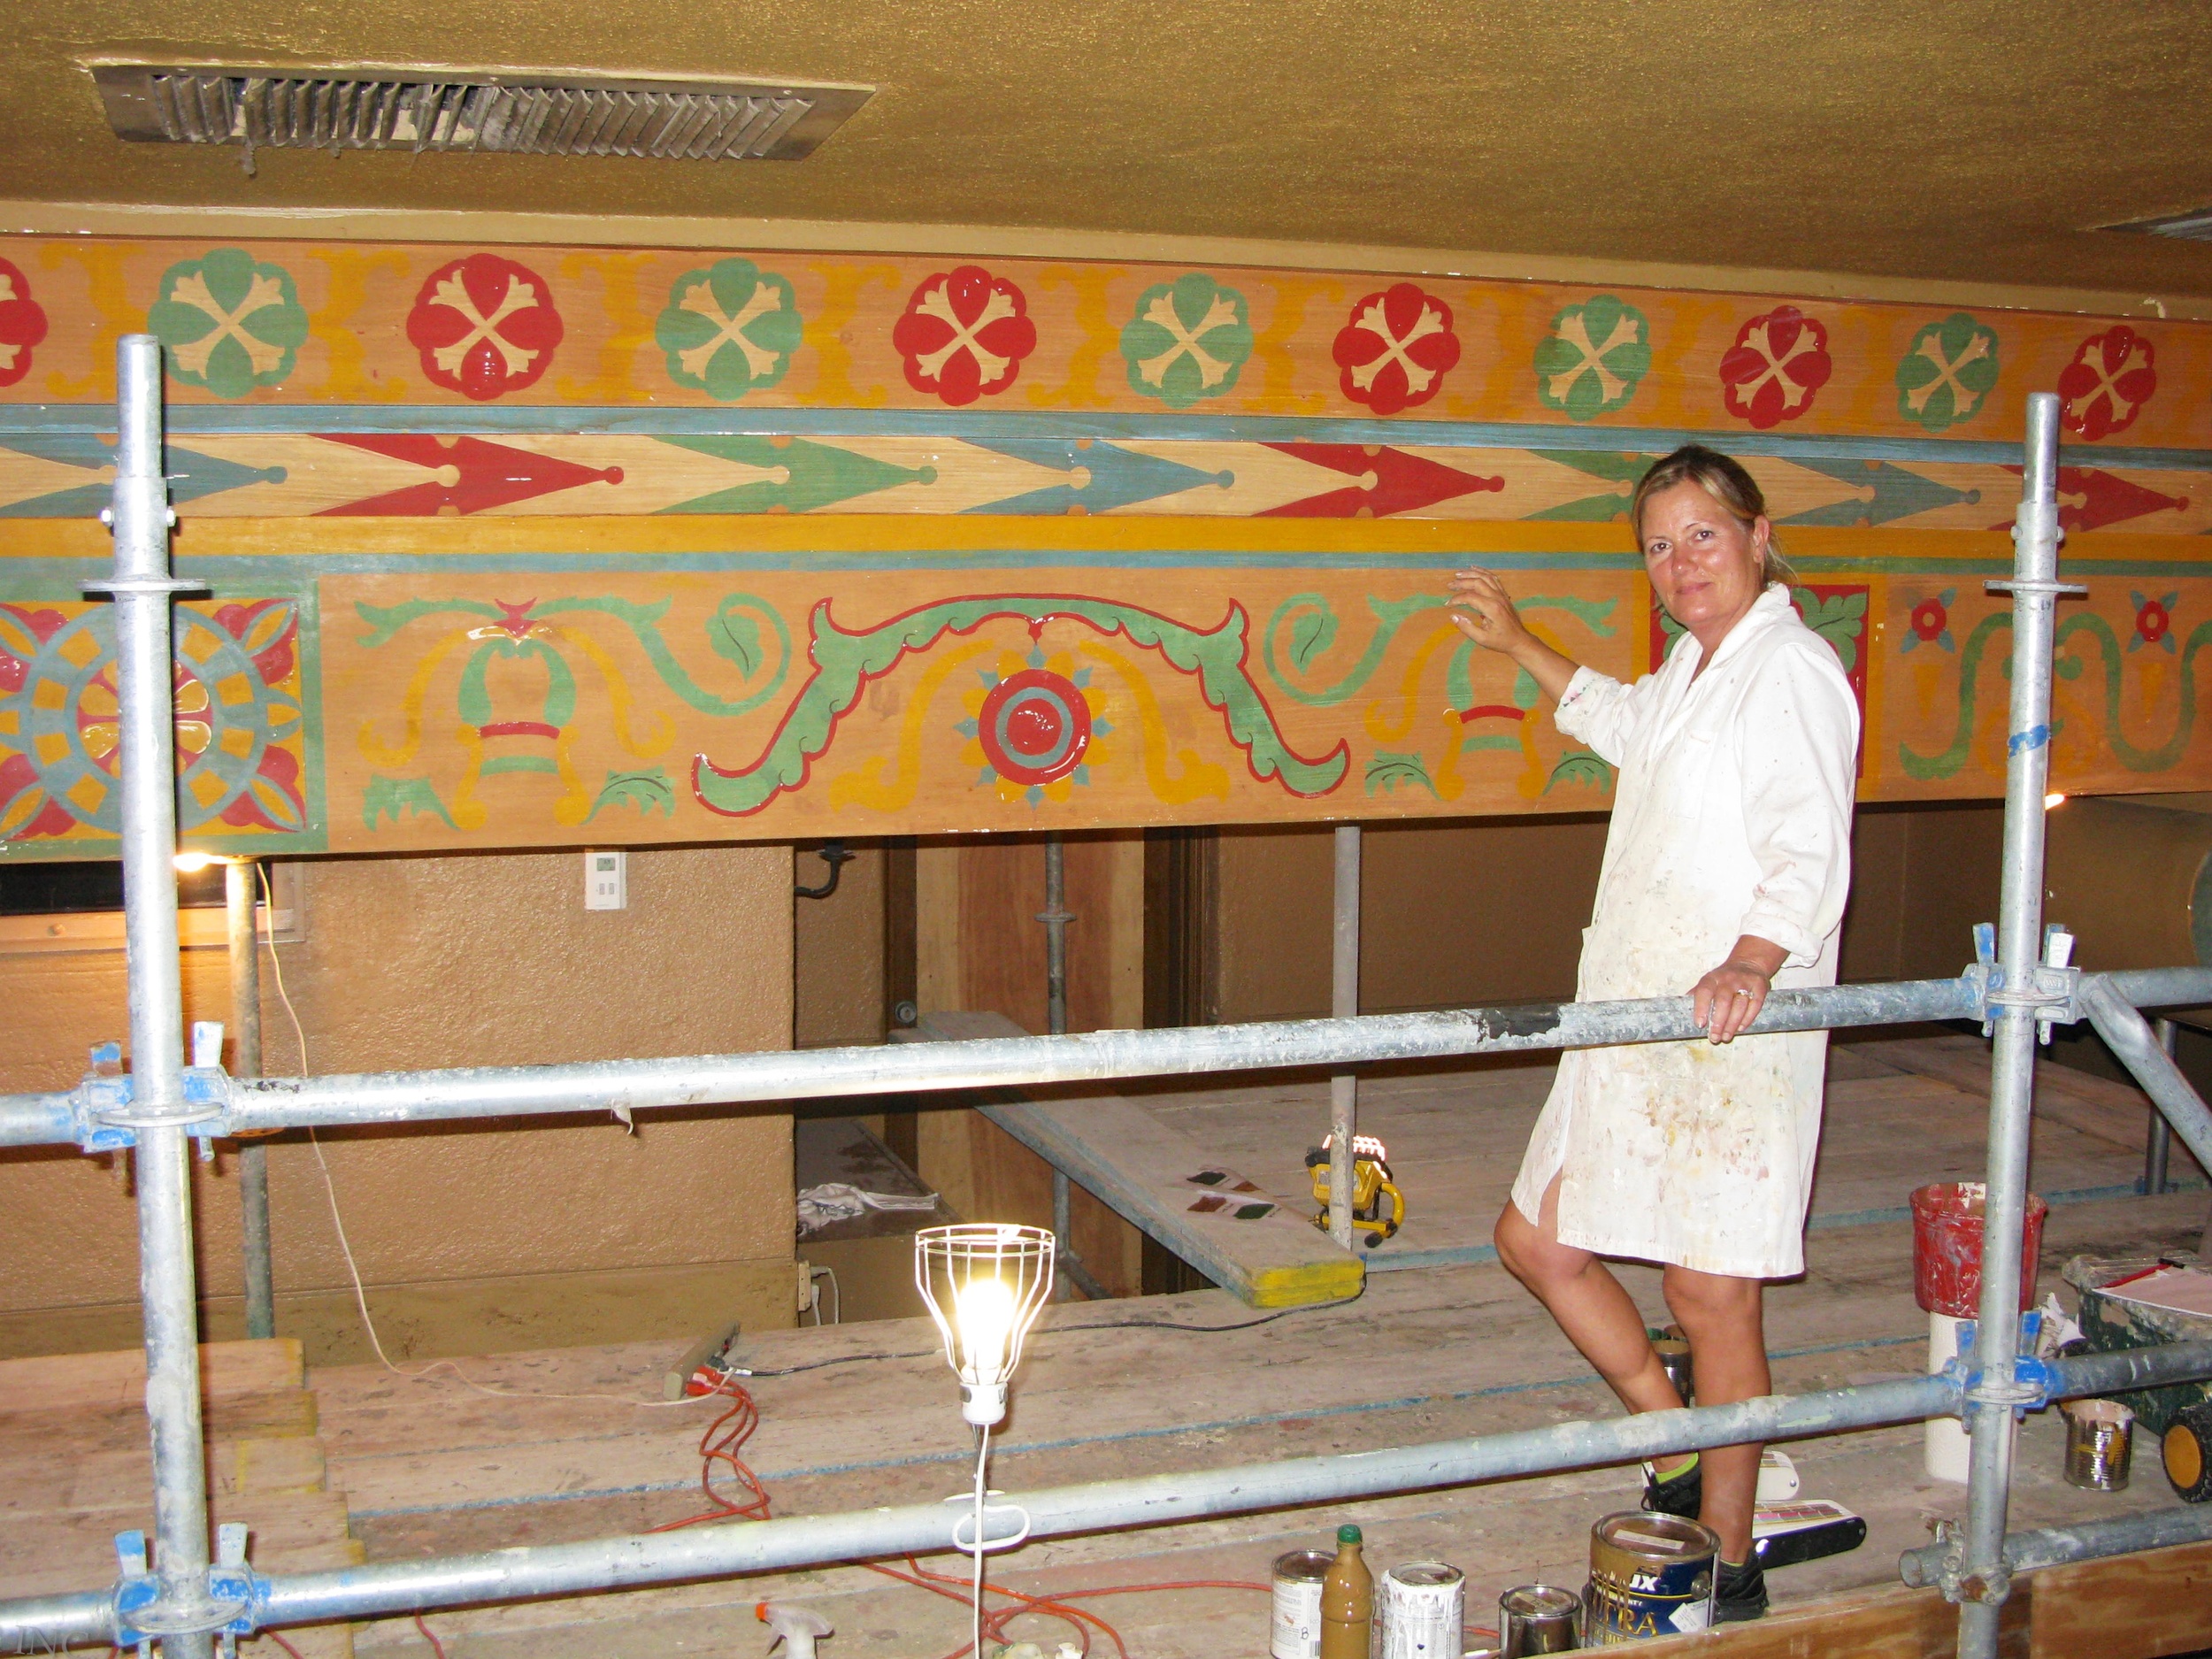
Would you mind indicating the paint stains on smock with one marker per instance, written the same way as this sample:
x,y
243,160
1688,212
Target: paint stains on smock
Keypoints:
x,y
1733,817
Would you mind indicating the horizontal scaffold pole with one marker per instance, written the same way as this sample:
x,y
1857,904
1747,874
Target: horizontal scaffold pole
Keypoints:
x,y
262,1104
717,1552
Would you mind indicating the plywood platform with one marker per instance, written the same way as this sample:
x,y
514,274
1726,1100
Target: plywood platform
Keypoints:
x,y
75,1470
537,1447
1119,1389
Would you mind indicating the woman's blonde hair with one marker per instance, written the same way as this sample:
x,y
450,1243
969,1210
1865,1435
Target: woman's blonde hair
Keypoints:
x,y
1724,479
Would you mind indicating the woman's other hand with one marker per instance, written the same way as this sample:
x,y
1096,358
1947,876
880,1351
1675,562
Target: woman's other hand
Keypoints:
x,y
1729,997
1483,610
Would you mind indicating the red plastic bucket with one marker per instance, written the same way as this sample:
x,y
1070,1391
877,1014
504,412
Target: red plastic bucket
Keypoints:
x,y
1947,1248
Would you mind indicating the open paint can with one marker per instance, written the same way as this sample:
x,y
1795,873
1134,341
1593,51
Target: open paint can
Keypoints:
x,y
2100,1438
1539,1618
1295,1628
1423,1605
1650,1575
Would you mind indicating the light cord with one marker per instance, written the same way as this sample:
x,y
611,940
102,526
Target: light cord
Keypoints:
x,y
345,1246
983,1457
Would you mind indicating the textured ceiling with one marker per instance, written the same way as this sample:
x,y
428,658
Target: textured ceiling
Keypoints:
x,y
1958,141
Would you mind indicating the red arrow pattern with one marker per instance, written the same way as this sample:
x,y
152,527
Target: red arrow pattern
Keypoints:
x,y
1389,481
2099,498
467,475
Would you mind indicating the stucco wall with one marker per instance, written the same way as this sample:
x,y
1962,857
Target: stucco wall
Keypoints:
x,y
1492,911
572,1230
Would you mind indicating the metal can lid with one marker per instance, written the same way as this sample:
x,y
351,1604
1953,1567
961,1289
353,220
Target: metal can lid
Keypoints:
x,y
1426,1574
1539,1601
1650,1534
1304,1564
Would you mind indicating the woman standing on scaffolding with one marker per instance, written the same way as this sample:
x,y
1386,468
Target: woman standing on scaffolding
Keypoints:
x,y
1726,867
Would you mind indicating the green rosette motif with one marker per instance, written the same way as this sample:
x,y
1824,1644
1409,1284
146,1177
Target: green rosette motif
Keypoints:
x,y
729,329
1947,373
1593,359
228,322
1188,339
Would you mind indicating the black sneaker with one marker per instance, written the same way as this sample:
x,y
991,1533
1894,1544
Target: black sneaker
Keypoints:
x,y
1683,1495
1740,1592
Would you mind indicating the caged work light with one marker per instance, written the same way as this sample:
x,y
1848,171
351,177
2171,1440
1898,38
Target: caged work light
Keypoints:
x,y
984,1284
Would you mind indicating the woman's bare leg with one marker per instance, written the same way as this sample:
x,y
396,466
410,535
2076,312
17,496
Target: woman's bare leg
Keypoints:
x,y
1590,1306
1721,1318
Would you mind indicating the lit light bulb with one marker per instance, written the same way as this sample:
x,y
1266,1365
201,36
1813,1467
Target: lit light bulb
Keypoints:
x,y
983,1283
192,863
2054,798
984,1312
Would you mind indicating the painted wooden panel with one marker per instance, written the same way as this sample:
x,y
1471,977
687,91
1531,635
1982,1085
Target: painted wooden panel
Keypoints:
x,y
544,546
1021,679
359,324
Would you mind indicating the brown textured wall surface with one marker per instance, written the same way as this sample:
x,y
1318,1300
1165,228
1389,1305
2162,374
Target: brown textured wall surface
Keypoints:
x,y
837,945
1492,911
441,961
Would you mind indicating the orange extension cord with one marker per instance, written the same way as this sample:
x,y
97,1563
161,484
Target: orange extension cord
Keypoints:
x,y
723,1444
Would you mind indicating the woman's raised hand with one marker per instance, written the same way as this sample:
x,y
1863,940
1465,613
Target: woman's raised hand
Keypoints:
x,y
1483,610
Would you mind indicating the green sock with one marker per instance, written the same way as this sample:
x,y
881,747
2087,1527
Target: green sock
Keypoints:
x,y
1676,1474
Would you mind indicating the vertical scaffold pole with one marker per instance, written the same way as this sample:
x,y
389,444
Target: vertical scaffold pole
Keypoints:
x,y
2034,589
1344,1002
245,1061
142,590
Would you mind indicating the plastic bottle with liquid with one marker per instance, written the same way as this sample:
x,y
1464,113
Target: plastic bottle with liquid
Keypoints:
x,y
1348,1600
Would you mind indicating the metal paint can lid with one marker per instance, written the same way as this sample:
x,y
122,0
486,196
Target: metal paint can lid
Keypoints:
x,y
1426,1575
1304,1564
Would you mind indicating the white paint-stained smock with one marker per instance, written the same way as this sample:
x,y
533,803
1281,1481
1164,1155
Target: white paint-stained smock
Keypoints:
x,y
1732,816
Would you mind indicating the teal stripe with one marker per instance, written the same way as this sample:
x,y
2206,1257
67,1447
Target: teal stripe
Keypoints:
x,y
995,425
52,579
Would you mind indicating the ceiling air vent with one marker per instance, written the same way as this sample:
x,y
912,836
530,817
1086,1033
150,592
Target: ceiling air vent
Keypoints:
x,y
505,113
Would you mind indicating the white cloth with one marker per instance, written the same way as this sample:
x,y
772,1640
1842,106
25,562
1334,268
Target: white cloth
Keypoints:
x,y
840,1200
1732,816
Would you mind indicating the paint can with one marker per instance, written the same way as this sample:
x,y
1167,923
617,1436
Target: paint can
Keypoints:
x,y
1294,1629
1650,1575
1423,1607
2100,1438
1539,1618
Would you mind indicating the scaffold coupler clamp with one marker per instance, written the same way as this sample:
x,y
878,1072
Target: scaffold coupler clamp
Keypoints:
x,y
2051,988
229,1606
1953,1578
2034,1383
107,1121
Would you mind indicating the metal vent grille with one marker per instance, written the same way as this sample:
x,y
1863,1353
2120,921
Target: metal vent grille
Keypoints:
x,y
295,109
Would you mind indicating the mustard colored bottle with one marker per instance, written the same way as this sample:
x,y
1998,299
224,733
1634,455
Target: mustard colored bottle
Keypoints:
x,y
1348,1600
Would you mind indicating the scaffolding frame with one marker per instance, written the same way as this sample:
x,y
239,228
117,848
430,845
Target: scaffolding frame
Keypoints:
x,y
2021,984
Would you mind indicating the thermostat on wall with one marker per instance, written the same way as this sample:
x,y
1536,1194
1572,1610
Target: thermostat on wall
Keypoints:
x,y
606,881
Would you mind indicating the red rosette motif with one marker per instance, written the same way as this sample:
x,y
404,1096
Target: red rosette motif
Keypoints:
x,y
2103,389
22,324
485,327
963,334
1778,363
1396,349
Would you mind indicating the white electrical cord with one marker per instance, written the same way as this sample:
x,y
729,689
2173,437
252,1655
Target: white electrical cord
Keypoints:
x,y
345,1246
983,1457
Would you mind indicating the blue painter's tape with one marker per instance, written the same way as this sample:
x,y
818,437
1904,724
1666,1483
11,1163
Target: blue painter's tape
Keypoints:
x,y
2034,737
